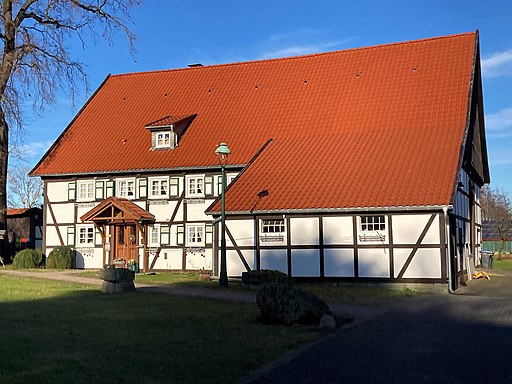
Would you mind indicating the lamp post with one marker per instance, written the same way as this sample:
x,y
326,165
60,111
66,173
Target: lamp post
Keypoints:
x,y
223,151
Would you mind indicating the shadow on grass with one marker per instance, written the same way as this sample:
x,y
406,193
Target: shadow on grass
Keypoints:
x,y
55,332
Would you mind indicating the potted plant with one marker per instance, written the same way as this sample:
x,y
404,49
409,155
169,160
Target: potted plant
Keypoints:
x,y
119,262
133,266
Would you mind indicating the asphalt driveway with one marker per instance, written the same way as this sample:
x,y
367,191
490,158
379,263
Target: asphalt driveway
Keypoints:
x,y
462,338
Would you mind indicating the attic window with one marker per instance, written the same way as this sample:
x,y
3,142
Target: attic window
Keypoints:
x,y
167,131
163,139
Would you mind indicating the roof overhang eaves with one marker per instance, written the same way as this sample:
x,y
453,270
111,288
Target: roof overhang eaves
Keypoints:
x,y
141,170
337,210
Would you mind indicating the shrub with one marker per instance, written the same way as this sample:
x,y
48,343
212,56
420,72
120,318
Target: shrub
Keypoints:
x,y
61,258
28,258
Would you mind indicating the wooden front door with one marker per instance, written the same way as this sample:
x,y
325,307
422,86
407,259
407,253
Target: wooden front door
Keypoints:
x,y
125,242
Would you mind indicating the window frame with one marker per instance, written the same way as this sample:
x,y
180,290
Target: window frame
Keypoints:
x,y
119,185
154,230
195,194
272,223
193,231
372,226
277,235
159,180
90,189
164,144
89,236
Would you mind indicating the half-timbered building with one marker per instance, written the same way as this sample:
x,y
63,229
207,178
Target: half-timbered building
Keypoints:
x,y
357,165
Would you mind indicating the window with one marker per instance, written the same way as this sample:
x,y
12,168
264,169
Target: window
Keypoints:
x,y
86,190
195,235
159,188
373,228
272,230
71,191
100,190
273,226
70,236
154,235
163,139
373,223
195,186
86,236
126,188
143,188
109,188
174,187
164,235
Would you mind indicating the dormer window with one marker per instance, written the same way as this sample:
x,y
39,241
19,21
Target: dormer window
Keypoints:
x,y
163,139
167,131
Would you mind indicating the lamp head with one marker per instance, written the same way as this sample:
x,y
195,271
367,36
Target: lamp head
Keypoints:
x,y
223,152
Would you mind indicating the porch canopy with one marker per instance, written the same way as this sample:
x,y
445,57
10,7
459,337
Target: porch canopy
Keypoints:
x,y
119,213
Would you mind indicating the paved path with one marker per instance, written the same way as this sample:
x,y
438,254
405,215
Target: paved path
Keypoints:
x,y
462,338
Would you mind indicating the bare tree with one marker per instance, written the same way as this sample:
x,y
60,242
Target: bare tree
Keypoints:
x,y
497,208
35,61
23,191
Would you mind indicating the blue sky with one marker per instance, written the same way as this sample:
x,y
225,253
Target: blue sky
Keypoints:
x,y
172,34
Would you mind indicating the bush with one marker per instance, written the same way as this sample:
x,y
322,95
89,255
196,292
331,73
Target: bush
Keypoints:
x,y
61,258
28,258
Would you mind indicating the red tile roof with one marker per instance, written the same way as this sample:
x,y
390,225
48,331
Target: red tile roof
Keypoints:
x,y
369,127
17,211
129,208
166,121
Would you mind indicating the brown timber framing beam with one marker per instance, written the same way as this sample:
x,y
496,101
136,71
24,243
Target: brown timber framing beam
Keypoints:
x,y
55,223
240,254
415,249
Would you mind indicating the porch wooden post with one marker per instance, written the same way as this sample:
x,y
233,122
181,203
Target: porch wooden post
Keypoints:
x,y
145,256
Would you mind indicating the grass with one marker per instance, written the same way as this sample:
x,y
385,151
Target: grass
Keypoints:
x,y
504,264
328,291
57,332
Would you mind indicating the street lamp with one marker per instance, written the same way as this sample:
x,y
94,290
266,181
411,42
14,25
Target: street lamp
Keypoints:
x,y
223,152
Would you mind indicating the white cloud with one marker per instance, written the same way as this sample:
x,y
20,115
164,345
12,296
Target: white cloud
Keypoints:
x,y
499,123
294,34
498,64
31,150
302,49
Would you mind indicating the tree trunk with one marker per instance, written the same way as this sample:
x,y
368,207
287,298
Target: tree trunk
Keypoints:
x,y
4,158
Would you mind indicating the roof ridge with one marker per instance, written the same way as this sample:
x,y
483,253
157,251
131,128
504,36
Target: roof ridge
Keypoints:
x,y
286,58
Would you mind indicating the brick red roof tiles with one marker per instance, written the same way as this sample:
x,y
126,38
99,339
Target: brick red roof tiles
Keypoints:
x,y
166,121
17,211
369,127
129,208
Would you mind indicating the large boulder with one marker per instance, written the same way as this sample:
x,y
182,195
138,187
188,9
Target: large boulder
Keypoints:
x,y
258,278
283,304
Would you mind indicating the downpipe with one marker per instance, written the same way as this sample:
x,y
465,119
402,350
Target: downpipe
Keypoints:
x,y
448,251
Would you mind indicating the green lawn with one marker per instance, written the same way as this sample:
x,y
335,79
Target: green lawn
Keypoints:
x,y
56,332
363,295
504,264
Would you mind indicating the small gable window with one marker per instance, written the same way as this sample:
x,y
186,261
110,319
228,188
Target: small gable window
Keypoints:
x,y
163,139
272,231
372,228
167,131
